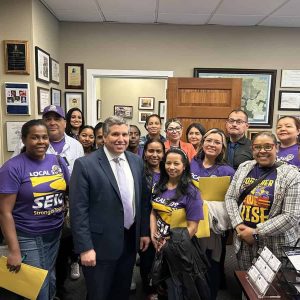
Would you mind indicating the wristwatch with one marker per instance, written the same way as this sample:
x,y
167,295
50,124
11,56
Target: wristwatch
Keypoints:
x,y
255,235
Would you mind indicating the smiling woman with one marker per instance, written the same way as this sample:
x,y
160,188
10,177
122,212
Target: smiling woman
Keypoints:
x,y
31,209
260,212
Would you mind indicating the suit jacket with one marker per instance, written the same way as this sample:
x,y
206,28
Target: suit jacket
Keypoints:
x,y
96,210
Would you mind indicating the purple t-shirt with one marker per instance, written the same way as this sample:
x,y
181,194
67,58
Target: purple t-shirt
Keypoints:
x,y
218,170
257,204
289,155
40,187
165,203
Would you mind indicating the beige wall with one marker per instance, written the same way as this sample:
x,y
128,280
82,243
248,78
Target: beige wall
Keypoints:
x,y
127,92
180,48
25,20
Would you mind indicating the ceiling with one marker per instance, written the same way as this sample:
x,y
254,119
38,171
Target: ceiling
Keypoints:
x,y
278,13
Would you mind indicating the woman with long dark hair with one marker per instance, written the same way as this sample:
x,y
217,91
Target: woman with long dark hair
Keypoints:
x,y
154,151
74,122
174,191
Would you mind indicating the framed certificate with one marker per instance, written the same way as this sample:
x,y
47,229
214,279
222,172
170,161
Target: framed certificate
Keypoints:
x,y
290,78
74,76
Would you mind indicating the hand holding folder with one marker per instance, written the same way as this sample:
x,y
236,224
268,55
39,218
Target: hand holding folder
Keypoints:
x,y
27,282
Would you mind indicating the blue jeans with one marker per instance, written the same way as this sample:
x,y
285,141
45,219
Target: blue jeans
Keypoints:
x,y
41,251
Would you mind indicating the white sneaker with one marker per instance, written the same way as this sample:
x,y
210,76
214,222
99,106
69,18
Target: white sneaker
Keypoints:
x,y
75,272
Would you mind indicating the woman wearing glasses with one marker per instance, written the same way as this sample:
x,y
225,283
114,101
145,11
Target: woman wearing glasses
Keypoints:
x,y
174,133
267,212
210,162
288,133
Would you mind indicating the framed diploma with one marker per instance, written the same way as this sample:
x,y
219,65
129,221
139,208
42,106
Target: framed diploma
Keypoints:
x,y
16,56
289,100
54,71
74,76
290,78
43,98
13,134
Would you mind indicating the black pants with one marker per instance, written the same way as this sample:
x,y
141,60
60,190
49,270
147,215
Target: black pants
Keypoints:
x,y
146,259
65,253
111,279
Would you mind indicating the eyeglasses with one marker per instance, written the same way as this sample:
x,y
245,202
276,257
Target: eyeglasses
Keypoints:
x,y
238,121
266,147
174,129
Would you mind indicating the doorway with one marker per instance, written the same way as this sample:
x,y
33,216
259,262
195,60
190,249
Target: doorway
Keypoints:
x,y
92,84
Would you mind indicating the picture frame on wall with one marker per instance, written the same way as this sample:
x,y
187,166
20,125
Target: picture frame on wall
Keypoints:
x,y
73,99
17,98
162,109
13,134
43,96
16,57
288,115
143,116
99,104
258,91
54,71
74,76
55,97
290,79
289,100
146,103
123,111
251,134
42,65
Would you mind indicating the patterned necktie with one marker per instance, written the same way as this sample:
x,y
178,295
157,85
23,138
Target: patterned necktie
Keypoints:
x,y
125,195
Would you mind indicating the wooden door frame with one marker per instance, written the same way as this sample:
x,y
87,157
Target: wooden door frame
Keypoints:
x,y
93,74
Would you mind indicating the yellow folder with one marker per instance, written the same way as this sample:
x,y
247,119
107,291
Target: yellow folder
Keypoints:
x,y
179,220
213,188
27,282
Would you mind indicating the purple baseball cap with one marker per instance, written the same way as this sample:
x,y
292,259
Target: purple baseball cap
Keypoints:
x,y
54,108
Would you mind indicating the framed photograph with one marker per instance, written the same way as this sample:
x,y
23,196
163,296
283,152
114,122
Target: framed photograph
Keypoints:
x,y
290,78
99,103
17,98
123,111
146,103
162,109
55,97
54,67
258,91
289,100
143,116
13,134
16,57
43,96
251,134
74,76
73,99
42,65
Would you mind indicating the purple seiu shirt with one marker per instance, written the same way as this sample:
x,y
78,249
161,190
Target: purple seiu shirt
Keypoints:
x,y
40,186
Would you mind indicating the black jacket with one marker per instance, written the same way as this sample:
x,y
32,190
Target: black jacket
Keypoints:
x,y
242,152
187,265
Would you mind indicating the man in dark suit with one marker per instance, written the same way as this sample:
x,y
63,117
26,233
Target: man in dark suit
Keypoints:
x,y
109,219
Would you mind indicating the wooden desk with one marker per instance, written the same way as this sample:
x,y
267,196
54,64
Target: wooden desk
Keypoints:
x,y
250,293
